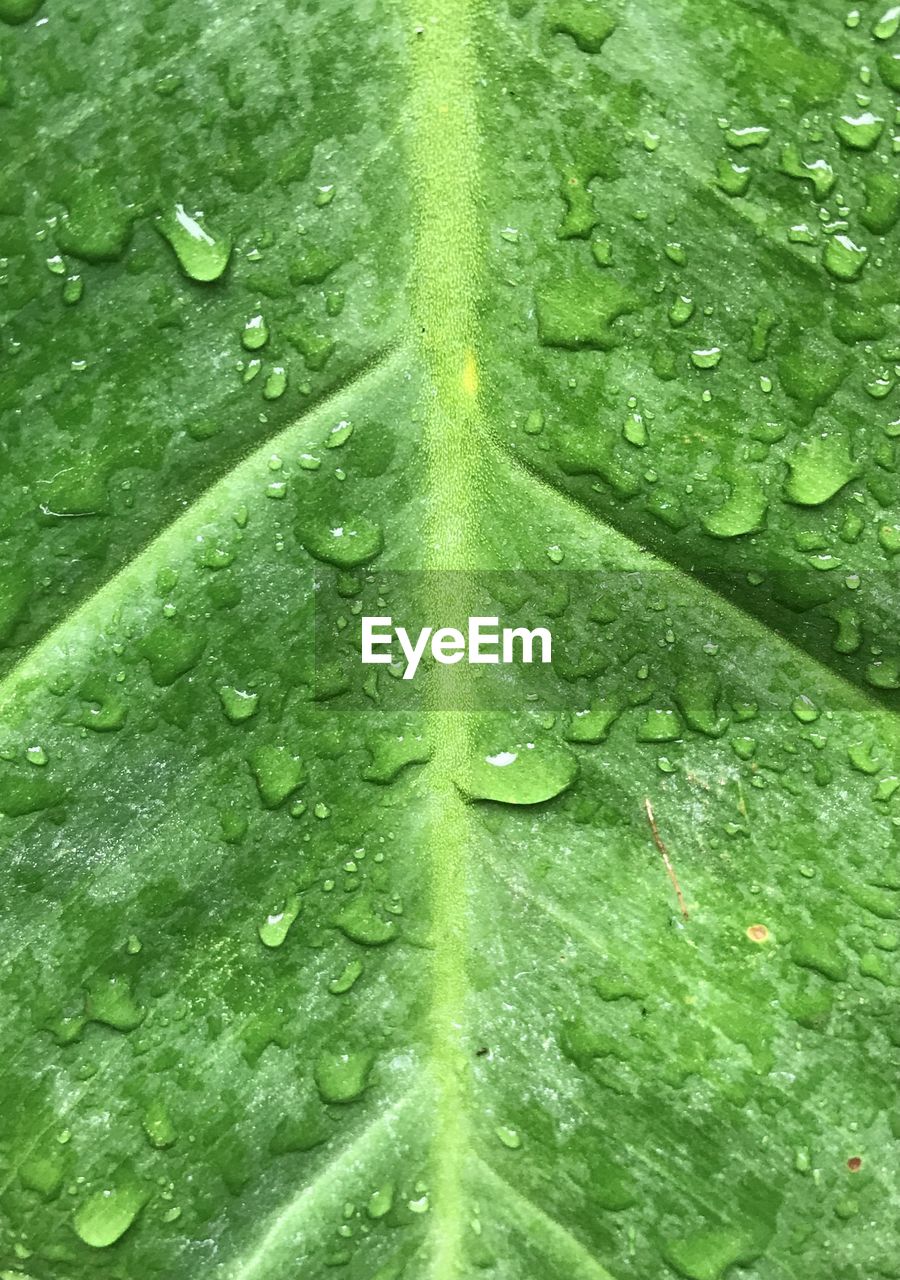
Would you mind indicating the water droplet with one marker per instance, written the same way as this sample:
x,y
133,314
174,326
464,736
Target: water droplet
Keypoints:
x,y
884,28
509,1137
275,384
817,951
741,513
351,972
344,544
238,704
342,1077
588,25
708,1255
861,132
72,290
392,753
889,69
752,136
818,173
277,773
635,430
380,1201
106,1215
602,251
889,537
157,1125
819,469
519,773
110,1001
43,1173
255,334
660,724
843,258
733,179
805,709
360,922
706,358
200,254
16,11
339,434
274,929
681,311
578,312
594,723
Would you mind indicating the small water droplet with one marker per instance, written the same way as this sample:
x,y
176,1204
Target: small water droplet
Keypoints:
x,y
255,334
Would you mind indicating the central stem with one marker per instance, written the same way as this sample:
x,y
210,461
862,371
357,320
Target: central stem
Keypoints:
x,y
445,286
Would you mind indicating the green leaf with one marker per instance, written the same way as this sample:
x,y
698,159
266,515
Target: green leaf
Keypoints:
x,y
568,971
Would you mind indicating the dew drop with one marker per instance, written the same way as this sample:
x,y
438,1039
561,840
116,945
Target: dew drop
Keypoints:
x,y
255,334
16,11
342,1077
861,132
819,468
344,544
200,254
106,1215
274,929
238,704
275,384
519,773
843,259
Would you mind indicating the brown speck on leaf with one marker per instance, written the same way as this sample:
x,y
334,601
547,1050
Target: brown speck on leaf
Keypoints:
x,y
757,933
854,1164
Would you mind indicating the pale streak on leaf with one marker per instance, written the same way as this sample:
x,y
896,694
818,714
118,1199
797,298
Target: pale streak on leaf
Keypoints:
x,y
287,1222
565,1247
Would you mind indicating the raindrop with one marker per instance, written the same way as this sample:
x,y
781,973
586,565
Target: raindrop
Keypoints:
x,y
200,254
106,1215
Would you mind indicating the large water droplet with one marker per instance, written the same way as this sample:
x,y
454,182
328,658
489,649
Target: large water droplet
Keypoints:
x,y
589,25
360,922
341,1077
200,254
742,512
106,1215
16,11
110,1001
819,469
843,258
277,773
238,704
861,132
519,773
708,1255
344,543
